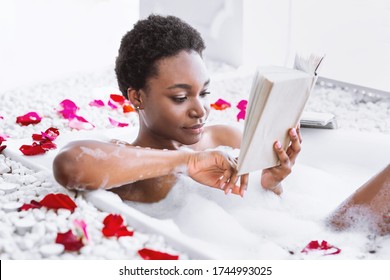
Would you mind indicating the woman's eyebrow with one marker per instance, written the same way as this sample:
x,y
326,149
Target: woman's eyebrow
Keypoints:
x,y
186,86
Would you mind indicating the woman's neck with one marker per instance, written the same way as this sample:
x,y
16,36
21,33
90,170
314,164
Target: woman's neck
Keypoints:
x,y
148,139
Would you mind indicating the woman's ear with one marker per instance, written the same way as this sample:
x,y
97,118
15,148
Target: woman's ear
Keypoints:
x,y
135,97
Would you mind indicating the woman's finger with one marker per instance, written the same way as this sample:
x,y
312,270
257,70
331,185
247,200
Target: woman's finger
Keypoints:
x,y
295,146
243,184
232,183
285,165
224,179
282,155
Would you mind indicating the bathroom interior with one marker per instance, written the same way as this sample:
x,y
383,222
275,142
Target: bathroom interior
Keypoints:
x,y
51,52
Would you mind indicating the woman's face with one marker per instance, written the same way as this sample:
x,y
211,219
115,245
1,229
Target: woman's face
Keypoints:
x,y
176,105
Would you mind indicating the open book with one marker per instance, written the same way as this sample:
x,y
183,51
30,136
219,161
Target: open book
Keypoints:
x,y
276,102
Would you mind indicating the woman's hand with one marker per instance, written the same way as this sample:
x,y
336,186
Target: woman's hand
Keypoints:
x,y
271,177
218,170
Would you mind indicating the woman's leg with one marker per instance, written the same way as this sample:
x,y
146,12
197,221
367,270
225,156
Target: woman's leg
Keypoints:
x,y
369,205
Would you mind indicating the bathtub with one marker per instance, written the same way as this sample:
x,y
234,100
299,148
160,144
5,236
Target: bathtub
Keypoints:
x,y
206,224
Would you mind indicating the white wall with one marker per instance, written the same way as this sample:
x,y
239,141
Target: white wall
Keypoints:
x,y
218,21
354,34
266,32
47,39
42,40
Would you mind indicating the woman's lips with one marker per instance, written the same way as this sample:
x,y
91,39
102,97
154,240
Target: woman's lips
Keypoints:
x,y
195,129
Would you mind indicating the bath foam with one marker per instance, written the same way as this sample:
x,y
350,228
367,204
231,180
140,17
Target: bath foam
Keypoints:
x,y
260,226
280,226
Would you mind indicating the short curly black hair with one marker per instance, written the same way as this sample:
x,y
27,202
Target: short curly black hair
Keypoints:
x,y
152,39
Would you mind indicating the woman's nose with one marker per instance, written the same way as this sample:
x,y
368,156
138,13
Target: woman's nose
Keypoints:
x,y
197,109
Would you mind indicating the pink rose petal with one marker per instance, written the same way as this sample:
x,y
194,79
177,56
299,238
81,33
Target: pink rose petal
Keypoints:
x,y
116,123
80,123
221,104
96,103
4,136
81,228
242,104
68,109
112,104
116,101
241,115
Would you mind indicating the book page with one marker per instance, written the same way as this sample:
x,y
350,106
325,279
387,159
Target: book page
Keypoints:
x,y
276,110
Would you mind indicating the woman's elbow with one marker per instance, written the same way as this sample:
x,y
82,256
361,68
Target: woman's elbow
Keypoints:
x,y
65,170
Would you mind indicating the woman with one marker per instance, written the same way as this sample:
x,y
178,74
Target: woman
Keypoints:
x,y
160,70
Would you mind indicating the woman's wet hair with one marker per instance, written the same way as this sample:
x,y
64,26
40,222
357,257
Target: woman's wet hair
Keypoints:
x,y
150,40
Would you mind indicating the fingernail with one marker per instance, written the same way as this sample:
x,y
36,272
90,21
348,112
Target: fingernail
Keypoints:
x,y
293,132
278,145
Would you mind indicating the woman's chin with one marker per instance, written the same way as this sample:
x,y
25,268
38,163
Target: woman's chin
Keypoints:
x,y
192,140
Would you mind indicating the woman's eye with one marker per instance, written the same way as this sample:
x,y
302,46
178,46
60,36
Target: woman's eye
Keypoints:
x,y
204,93
179,99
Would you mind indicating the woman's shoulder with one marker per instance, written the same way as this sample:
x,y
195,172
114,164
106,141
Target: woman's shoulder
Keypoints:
x,y
225,135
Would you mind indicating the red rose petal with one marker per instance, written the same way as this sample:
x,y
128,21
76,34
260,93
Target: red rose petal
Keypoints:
x,y
323,246
45,142
221,104
123,231
2,147
148,254
117,98
32,150
32,205
51,133
48,145
116,101
29,118
70,241
113,220
113,226
57,201
37,137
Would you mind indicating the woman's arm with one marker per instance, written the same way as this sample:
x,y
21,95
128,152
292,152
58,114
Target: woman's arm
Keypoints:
x,y
92,164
